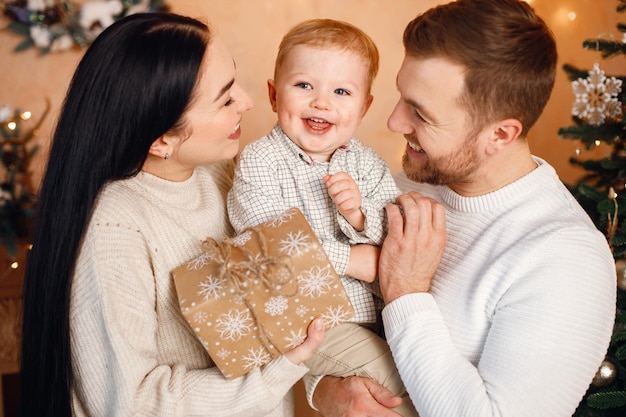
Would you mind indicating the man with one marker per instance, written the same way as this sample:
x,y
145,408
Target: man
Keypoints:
x,y
514,316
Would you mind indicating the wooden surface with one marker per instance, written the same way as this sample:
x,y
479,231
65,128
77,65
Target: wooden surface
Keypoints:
x,y
10,314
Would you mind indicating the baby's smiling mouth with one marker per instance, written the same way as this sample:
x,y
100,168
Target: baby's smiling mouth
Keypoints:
x,y
317,124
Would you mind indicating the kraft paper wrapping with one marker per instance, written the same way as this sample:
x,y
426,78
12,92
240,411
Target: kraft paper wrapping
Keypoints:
x,y
250,298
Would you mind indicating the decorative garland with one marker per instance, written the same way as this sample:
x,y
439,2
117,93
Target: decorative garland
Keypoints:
x,y
57,25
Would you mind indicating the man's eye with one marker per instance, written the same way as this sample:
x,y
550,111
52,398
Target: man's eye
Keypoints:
x,y
418,116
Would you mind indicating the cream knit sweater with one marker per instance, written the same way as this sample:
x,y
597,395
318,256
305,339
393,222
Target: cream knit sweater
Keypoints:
x,y
133,353
520,311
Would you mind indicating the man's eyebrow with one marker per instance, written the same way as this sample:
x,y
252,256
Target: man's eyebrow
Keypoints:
x,y
225,89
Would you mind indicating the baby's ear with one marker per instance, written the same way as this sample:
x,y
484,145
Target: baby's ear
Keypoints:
x,y
271,91
366,106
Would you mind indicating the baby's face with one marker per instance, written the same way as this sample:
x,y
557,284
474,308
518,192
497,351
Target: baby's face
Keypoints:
x,y
320,96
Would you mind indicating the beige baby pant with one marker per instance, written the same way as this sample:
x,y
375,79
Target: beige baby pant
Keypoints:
x,y
351,349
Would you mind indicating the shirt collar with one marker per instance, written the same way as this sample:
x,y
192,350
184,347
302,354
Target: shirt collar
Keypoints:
x,y
279,134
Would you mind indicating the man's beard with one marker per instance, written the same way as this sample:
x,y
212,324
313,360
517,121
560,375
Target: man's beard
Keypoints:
x,y
453,168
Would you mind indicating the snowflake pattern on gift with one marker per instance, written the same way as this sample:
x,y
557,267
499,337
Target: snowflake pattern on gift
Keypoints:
x,y
211,287
276,306
200,316
234,325
295,338
295,243
223,353
283,218
199,262
315,282
302,310
256,358
204,343
242,238
596,97
335,315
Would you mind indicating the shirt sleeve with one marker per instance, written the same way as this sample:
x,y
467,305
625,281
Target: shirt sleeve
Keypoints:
x,y
119,369
378,188
548,334
256,193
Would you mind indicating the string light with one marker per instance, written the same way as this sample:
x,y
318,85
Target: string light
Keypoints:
x,y
597,142
15,265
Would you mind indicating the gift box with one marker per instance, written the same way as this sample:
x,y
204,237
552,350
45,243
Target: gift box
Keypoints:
x,y
250,298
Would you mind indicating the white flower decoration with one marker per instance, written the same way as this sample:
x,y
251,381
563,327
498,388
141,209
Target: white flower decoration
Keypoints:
x,y
596,97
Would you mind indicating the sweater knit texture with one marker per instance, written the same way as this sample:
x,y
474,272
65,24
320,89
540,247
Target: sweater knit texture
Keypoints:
x,y
133,353
520,311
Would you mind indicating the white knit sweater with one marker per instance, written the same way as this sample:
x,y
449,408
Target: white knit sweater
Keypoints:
x,y
133,353
521,309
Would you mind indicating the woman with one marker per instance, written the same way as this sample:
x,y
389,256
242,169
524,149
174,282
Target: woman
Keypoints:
x,y
139,166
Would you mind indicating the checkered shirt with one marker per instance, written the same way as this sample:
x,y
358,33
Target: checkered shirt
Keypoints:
x,y
273,174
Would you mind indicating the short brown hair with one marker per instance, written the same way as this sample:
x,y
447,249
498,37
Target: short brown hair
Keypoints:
x,y
326,33
508,51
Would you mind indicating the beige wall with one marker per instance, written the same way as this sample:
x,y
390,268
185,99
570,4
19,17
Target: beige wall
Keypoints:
x,y
253,29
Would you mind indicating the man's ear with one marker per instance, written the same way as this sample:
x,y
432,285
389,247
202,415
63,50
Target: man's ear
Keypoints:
x,y
271,91
504,133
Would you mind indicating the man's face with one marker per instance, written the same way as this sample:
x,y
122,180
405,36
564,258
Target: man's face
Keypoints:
x,y
434,123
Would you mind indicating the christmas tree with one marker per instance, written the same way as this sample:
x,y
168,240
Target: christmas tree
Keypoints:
x,y
599,117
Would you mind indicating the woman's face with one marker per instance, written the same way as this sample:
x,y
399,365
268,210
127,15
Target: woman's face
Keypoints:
x,y
212,122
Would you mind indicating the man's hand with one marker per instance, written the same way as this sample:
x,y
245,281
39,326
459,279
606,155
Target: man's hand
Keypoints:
x,y
347,197
413,247
355,397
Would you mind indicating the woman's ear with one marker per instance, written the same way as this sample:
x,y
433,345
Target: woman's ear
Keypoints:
x,y
161,148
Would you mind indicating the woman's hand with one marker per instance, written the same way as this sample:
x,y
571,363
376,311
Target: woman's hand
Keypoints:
x,y
304,351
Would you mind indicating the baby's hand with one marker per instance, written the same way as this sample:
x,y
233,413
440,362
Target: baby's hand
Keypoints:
x,y
346,195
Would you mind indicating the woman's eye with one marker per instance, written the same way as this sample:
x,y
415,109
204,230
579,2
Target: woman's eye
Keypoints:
x,y
342,92
229,102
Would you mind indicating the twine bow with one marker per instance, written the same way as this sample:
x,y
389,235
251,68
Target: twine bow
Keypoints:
x,y
275,272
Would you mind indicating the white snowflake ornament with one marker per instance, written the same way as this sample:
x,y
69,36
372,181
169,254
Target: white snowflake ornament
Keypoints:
x,y
596,97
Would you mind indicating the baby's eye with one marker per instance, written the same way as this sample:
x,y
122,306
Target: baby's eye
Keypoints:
x,y
342,92
305,86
